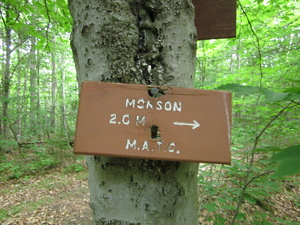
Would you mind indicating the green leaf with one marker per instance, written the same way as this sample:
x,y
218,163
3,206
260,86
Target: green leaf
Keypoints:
x,y
222,200
273,97
268,149
259,1
240,216
250,198
295,80
288,168
228,207
211,207
293,96
289,159
295,90
292,152
240,90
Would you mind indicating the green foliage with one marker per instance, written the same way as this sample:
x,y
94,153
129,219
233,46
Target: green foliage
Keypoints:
x,y
74,168
39,72
261,68
7,145
288,159
211,207
17,168
270,96
3,214
33,162
239,89
39,121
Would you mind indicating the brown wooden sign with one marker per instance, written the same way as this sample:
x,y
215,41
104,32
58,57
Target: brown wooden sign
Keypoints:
x,y
215,18
151,122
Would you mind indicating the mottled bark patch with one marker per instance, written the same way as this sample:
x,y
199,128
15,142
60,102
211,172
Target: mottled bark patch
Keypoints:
x,y
136,41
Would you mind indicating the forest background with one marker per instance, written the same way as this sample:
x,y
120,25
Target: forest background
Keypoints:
x,y
261,66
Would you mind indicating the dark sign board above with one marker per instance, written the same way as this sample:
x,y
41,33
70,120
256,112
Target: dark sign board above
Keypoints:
x,y
215,18
151,122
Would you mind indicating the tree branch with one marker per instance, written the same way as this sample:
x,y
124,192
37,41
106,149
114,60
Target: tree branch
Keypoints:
x,y
247,180
257,41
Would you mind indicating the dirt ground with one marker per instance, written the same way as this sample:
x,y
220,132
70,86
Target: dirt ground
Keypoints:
x,y
63,199
54,198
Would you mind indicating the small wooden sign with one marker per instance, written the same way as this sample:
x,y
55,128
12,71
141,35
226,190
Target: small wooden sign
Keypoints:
x,y
215,18
152,122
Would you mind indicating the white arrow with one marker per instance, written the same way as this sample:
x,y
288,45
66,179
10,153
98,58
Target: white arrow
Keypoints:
x,y
194,125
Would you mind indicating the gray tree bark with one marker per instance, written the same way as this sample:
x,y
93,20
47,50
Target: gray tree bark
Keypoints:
x,y
143,42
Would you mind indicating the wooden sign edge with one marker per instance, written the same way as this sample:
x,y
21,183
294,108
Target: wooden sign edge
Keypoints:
x,y
206,30
228,162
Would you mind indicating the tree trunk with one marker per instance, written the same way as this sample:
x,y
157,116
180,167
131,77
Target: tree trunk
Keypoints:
x,y
53,91
64,125
6,79
146,42
33,87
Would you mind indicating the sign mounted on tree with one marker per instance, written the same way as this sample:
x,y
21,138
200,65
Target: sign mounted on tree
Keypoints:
x,y
153,122
215,18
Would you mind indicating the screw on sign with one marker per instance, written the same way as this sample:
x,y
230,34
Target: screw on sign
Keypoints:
x,y
153,122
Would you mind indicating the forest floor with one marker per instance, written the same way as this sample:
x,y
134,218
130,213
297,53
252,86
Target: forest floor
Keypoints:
x,y
62,198
54,198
